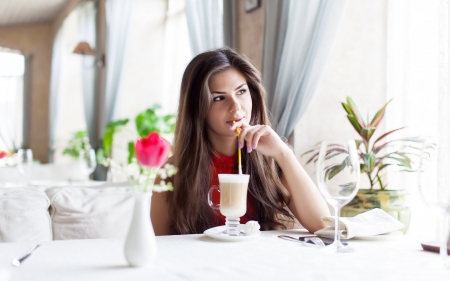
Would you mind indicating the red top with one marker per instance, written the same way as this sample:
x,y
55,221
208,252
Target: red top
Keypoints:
x,y
226,165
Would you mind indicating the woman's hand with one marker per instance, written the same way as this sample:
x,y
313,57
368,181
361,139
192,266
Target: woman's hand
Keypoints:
x,y
261,138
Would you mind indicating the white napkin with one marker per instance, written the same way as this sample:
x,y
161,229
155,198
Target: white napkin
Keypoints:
x,y
370,223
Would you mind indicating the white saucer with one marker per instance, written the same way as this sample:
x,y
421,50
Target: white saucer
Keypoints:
x,y
217,233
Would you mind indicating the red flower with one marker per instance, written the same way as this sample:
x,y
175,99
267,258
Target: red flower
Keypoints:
x,y
3,154
152,150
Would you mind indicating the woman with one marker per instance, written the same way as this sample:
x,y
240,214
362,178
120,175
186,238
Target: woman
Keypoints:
x,y
221,91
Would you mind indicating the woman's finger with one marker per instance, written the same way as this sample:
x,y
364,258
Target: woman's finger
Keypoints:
x,y
262,131
248,134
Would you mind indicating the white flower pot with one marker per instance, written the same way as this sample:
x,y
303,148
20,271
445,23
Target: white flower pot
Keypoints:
x,y
140,244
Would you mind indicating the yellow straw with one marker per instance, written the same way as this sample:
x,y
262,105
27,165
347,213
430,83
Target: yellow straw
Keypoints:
x,y
238,131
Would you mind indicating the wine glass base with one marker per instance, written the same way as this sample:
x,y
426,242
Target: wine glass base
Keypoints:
x,y
337,247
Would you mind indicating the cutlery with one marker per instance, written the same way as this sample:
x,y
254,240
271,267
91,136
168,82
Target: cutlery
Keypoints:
x,y
311,239
18,261
305,239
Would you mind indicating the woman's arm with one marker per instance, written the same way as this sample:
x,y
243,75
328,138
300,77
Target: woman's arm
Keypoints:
x,y
307,204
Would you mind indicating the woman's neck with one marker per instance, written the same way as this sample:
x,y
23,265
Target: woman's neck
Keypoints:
x,y
224,145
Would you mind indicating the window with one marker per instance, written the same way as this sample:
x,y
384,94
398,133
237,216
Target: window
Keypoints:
x,y
12,67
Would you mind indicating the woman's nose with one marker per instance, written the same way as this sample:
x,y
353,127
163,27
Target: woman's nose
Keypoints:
x,y
235,106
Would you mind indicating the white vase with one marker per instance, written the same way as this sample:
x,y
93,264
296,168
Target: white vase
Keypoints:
x,y
140,244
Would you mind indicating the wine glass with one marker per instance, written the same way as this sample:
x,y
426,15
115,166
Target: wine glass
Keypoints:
x,y
88,161
435,192
338,180
25,163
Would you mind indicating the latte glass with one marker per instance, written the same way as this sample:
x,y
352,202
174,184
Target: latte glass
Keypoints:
x,y
233,200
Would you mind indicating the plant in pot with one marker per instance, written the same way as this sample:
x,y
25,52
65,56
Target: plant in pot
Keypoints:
x,y
79,142
376,155
104,153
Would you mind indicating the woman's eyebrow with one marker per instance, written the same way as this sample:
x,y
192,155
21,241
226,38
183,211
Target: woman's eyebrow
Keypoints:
x,y
218,92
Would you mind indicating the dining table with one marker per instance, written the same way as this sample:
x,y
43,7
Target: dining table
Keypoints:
x,y
199,257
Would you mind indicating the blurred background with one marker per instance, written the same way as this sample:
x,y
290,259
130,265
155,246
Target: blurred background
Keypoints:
x,y
73,66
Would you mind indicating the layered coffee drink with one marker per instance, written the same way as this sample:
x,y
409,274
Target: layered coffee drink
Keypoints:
x,y
233,199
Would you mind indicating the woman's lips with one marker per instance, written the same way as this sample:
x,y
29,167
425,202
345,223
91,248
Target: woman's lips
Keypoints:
x,y
235,120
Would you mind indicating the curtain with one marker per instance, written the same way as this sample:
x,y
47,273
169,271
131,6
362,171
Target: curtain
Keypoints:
x,y
418,82
12,65
229,23
87,13
299,37
118,13
205,24
11,101
176,56
55,87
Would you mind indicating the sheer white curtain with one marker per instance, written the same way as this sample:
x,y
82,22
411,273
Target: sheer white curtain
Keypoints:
x,y
118,13
11,99
55,87
417,79
205,24
87,13
299,37
177,54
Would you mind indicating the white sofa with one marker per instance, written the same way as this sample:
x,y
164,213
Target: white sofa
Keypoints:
x,y
35,214
54,172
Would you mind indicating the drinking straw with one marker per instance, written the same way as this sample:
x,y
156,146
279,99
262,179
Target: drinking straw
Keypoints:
x,y
238,132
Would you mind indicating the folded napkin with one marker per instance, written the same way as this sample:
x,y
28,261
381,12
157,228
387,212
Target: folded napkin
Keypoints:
x,y
370,223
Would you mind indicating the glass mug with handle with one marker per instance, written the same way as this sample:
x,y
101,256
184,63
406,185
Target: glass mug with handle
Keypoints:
x,y
233,200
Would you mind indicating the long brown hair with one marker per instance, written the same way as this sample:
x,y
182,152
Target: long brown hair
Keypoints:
x,y
189,209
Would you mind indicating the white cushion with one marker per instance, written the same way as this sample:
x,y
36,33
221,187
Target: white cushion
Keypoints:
x,y
24,215
90,212
10,175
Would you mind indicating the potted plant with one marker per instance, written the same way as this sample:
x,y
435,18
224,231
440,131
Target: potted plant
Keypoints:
x,y
376,155
78,142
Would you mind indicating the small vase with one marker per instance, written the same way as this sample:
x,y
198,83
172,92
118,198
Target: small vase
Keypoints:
x,y
140,244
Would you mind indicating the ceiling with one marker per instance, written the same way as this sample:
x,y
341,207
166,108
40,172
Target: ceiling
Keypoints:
x,y
16,12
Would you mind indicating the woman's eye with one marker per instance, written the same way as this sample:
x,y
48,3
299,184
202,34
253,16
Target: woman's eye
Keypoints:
x,y
218,98
241,92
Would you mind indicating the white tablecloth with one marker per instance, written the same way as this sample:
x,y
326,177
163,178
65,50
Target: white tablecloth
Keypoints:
x,y
197,257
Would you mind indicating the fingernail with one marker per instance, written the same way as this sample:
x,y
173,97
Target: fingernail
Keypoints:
x,y
239,144
253,146
248,149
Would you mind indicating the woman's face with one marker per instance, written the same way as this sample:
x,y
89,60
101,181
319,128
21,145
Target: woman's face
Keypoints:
x,y
231,101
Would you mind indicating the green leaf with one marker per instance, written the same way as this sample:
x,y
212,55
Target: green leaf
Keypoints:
x,y
362,168
78,142
371,160
382,187
333,171
354,109
367,133
403,162
379,115
131,152
347,109
387,134
108,135
355,124
149,121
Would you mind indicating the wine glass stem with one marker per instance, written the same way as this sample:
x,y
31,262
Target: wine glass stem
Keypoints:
x,y
337,236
